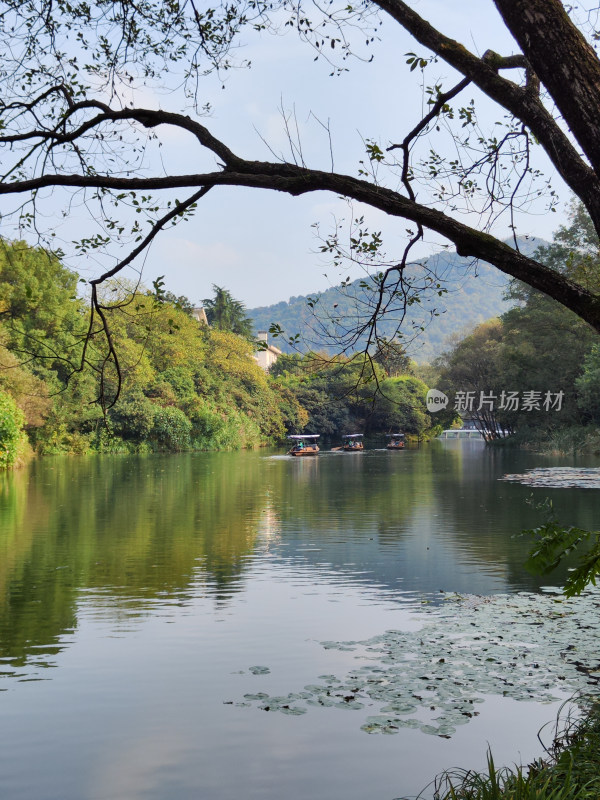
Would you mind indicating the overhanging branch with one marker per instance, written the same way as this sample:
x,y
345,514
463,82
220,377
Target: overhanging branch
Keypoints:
x,y
520,101
295,181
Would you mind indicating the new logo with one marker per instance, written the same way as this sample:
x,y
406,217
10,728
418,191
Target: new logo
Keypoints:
x,y
436,401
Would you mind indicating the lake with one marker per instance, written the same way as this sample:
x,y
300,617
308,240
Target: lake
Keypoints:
x,y
149,605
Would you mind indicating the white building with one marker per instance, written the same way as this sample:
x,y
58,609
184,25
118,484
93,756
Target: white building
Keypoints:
x,y
266,358
200,315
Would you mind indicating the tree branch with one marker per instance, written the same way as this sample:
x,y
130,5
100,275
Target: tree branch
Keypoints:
x,y
572,76
295,181
521,102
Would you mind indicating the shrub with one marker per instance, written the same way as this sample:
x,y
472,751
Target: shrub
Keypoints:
x,y
133,418
172,429
13,441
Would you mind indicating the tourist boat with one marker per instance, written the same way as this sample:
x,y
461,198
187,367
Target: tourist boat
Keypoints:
x,y
304,445
352,442
396,441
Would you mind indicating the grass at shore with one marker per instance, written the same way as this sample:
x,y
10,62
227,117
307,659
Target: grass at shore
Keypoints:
x,y
570,772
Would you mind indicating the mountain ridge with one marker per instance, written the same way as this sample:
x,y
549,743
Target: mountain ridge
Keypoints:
x,y
472,291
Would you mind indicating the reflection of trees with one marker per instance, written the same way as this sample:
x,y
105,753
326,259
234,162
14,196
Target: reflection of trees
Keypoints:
x,y
354,492
498,511
355,514
437,518
37,598
141,531
139,528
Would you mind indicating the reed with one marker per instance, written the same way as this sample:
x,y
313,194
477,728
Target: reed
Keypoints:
x,y
570,772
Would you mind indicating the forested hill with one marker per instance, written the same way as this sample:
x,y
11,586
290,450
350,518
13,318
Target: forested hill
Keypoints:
x,y
474,293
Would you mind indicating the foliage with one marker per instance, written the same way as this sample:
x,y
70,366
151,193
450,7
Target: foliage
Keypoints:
x,y
475,366
574,250
537,347
571,773
588,385
227,314
12,438
172,428
545,346
295,415
184,386
553,542
39,309
134,417
544,349
402,406
345,395
393,358
182,302
31,393
290,365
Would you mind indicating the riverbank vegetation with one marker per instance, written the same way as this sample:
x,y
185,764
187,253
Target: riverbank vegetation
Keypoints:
x,y
538,361
570,772
359,394
185,385
182,384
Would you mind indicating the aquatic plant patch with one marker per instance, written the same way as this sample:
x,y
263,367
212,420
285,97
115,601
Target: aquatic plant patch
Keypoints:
x,y
529,647
558,478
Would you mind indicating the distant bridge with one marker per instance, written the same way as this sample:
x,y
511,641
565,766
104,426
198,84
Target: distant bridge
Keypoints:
x,y
461,433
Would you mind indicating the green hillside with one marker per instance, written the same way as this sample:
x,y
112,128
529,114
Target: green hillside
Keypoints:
x,y
472,292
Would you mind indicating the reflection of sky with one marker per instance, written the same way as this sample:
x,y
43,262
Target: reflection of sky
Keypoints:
x,y
138,704
425,560
144,713
448,540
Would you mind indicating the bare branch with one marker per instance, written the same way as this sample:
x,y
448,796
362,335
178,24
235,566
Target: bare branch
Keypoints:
x,y
520,102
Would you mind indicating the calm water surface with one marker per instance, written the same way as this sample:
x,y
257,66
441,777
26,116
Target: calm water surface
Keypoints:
x,y
136,592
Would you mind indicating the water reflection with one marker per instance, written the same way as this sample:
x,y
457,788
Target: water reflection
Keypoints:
x,y
153,584
137,534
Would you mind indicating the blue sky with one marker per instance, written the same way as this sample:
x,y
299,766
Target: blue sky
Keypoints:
x,y
261,246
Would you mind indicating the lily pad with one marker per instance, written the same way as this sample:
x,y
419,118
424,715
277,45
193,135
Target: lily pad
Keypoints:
x,y
519,646
558,477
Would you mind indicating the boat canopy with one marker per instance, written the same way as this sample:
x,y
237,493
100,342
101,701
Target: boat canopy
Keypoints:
x,y
304,436
353,435
395,435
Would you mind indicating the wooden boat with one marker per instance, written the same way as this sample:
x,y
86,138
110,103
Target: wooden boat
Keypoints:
x,y
304,444
352,443
396,441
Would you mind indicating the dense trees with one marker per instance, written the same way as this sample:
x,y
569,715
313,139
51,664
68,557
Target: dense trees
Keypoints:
x,y
69,125
588,386
40,315
474,368
12,439
188,386
537,351
227,314
532,373
350,395
401,407
185,385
